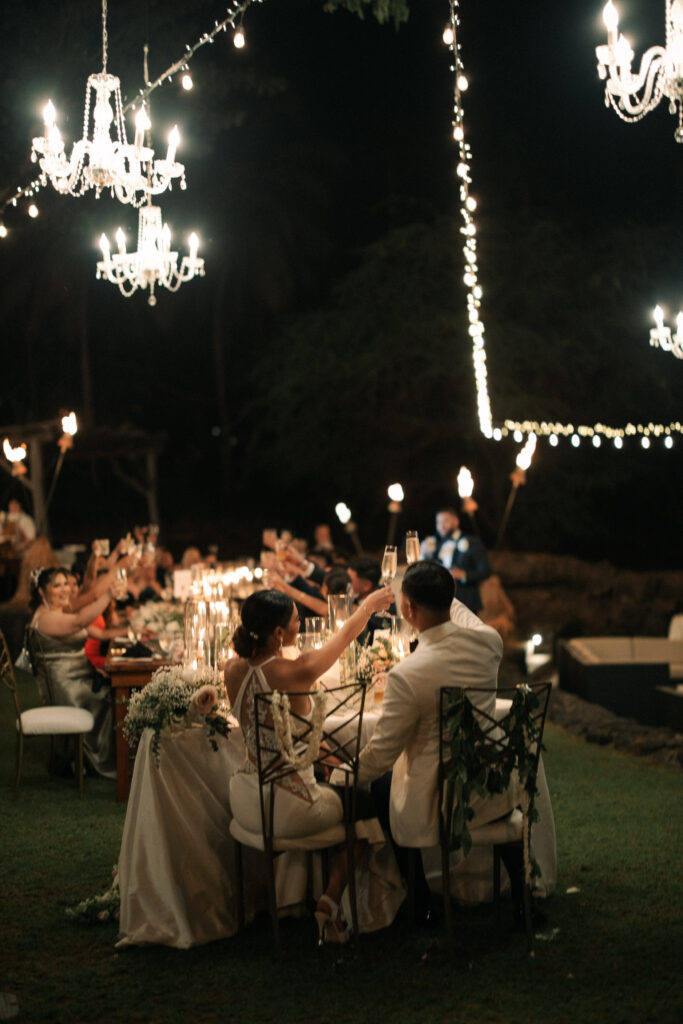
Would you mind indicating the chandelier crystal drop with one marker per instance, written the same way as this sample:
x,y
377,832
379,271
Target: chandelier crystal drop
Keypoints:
x,y
100,160
154,263
631,95
662,336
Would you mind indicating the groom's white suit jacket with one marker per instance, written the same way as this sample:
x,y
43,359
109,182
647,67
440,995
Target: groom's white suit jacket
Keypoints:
x,y
462,652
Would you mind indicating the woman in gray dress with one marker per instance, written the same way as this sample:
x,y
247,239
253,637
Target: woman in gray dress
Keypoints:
x,y
65,676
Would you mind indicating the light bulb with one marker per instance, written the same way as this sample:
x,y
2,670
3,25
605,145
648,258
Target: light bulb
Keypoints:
x,y
645,441
471,203
462,83
458,133
448,35
3,231
238,39
33,210
618,442
668,442
576,440
395,492
518,435
186,82
554,440
596,441
497,434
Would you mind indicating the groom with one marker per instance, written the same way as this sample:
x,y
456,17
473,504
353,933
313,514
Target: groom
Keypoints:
x,y
455,648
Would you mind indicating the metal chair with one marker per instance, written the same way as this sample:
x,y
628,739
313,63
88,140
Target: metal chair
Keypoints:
x,y
343,741
483,753
54,720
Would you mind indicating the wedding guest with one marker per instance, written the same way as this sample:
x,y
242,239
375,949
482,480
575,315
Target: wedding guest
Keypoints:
x,y
322,537
454,648
19,526
365,574
464,556
191,556
303,806
65,676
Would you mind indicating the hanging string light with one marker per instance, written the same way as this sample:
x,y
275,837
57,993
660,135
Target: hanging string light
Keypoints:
x,y
519,428
468,205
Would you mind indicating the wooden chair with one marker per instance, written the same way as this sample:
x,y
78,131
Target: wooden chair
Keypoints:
x,y
343,741
479,752
54,720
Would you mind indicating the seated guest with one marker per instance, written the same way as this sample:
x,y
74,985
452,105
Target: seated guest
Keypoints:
x,y
19,526
322,537
303,805
365,574
454,648
63,671
308,602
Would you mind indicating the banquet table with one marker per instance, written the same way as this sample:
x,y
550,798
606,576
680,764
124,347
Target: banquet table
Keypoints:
x,y
126,675
176,864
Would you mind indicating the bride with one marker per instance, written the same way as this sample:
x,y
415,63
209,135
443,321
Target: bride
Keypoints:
x,y
303,806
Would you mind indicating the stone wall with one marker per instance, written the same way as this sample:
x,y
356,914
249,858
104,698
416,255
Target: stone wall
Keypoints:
x,y
558,595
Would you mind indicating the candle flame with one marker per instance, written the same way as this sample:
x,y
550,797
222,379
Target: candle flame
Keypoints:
x,y
395,492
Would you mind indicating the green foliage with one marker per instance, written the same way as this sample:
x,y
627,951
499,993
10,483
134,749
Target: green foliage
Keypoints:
x,y
482,761
384,10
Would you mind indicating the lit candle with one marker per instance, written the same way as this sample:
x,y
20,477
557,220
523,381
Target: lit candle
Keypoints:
x,y
104,246
173,140
121,241
166,237
142,124
610,16
194,245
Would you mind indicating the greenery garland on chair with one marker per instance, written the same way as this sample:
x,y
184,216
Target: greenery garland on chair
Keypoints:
x,y
478,764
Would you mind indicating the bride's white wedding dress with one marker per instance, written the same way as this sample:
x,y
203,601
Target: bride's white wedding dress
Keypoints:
x,y
177,855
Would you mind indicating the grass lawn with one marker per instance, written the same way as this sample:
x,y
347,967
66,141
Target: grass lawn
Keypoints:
x,y
617,955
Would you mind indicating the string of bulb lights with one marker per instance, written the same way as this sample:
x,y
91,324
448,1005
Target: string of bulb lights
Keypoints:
x,y
519,429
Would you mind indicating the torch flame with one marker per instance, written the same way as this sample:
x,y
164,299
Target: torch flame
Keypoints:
x,y
465,483
343,512
69,424
13,454
524,458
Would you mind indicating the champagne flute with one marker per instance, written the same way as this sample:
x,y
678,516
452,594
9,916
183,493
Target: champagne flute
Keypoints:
x,y
412,547
389,564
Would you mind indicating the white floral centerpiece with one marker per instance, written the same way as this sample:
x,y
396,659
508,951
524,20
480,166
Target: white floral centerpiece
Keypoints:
x,y
176,698
157,616
376,660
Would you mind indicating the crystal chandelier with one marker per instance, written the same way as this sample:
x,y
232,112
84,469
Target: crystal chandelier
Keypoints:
x,y
661,336
661,69
153,263
99,161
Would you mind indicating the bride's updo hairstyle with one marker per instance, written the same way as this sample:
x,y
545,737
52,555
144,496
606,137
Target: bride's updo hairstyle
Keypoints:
x,y
262,613
39,580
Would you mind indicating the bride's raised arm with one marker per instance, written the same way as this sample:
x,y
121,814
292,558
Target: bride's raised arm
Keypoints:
x,y
312,664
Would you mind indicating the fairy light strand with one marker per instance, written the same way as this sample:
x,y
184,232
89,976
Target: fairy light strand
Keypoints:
x,y
518,428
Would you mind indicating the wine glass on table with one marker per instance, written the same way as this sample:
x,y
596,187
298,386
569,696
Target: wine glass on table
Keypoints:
x,y
389,564
166,639
412,547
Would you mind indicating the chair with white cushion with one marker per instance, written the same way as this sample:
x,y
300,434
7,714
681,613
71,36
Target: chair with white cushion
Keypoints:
x,y
478,753
53,720
343,742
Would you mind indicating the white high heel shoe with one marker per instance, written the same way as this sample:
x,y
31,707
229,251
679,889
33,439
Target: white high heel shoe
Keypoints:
x,y
331,927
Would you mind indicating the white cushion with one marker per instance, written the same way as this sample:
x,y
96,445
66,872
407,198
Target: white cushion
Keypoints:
x,y
56,720
505,830
318,841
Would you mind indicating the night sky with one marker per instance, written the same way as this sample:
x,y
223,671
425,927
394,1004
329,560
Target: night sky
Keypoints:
x,y
320,170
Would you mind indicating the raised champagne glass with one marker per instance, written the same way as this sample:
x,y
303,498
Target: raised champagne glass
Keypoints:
x,y
389,564
412,547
